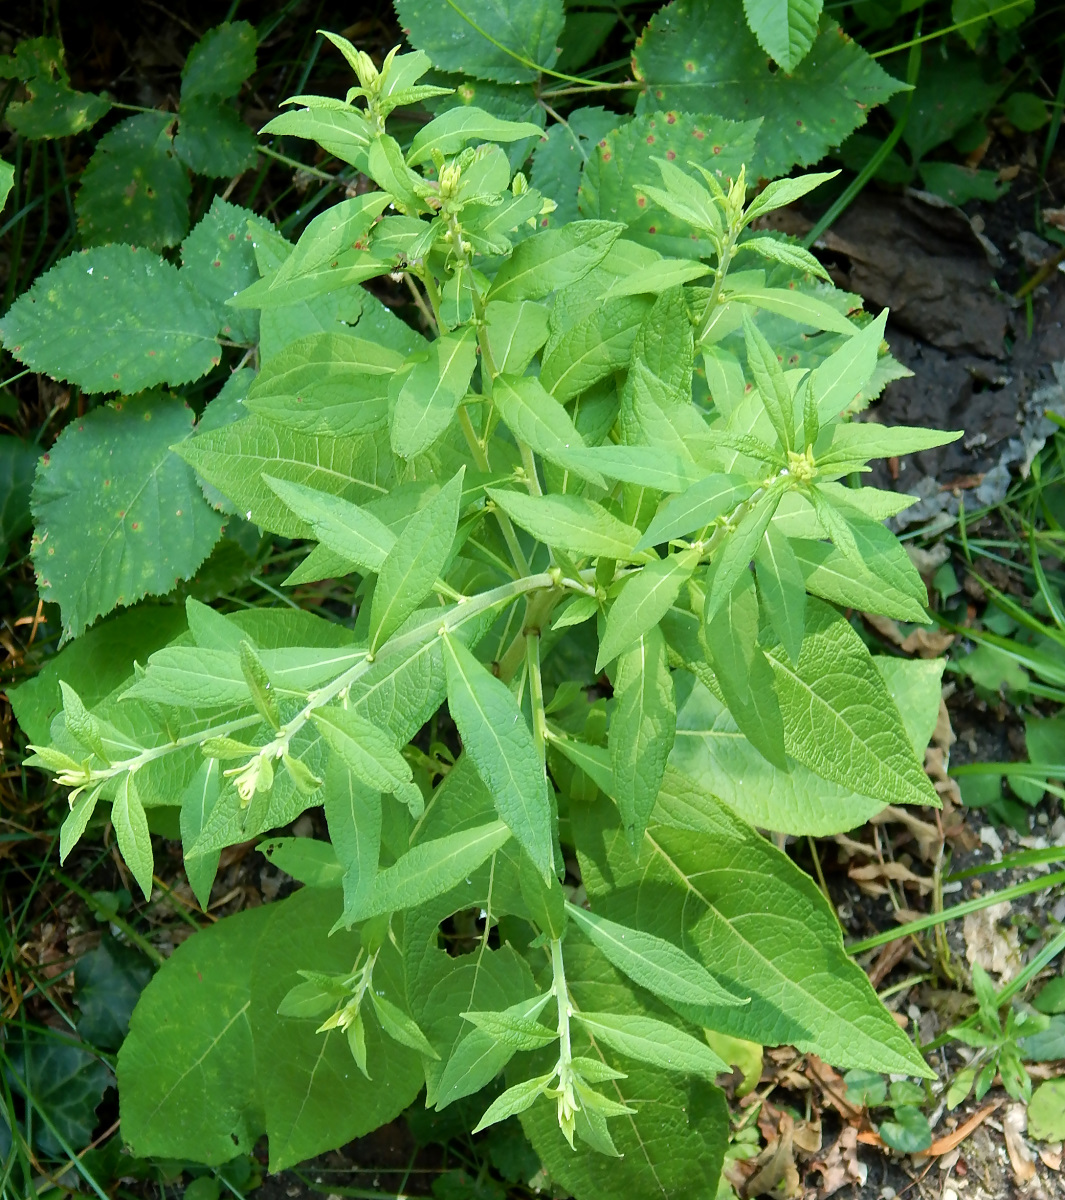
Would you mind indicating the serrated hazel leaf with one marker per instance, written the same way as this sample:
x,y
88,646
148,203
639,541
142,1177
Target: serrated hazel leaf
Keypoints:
x,y
571,523
711,497
408,572
838,380
427,395
514,1100
429,869
771,383
862,440
118,515
654,1042
497,739
652,962
658,277
345,528
781,589
554,259
112,319
738,550
782,192
367,750
840,719
646,466
399,1026
642,728
643,602
536,418
784,252
76,821
131,833
450,131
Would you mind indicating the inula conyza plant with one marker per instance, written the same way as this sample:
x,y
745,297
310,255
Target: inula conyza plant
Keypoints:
x,y
606,517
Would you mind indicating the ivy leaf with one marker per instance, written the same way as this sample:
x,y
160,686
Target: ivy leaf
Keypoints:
x,y
427,395
642,727
107,983
112,319
489,39
840,719
412,565
118,515
655,1042
134,188
497,739
652,962
700,60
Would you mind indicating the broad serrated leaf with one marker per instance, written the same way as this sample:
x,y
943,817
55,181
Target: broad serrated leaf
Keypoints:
x,y
426,396
497,739
840,719
642,725
489,39
412,565
118,515
654,1042
112,319
571,523
652,962
220,61
134,188
212,139
560,155
643,602
218,260
707,60
308,860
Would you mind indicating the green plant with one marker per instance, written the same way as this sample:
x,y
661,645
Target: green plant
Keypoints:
x,y
551,506
906,1129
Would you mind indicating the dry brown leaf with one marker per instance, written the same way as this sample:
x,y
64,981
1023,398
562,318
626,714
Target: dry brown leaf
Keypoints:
x,y
887,960
997,950
841,1164
775,1173
1051,1156
1014,1123
926,835
866,878
1055,217
927,643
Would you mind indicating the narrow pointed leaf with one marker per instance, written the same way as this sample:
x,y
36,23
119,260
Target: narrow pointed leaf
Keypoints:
x,y
643,602
654,1042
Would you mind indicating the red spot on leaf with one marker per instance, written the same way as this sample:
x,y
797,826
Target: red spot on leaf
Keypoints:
x,y
650,229
641,201
650,137
671,118
671,155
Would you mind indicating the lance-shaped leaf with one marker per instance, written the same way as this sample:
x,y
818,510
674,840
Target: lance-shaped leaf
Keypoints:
x,y
646,466
427,395
131,832
642,727
554,259
702,503
658,277
771,383
450,131
399,1026
353,815
571,523
796,306
785,191
516,330
739,548
766,928
517,1025
408,572
838,380
785,252
497,739
652,962
644,601
840,719
429,869
858,441
514,1100
781,589
368,751
654,1042
536,418
348,530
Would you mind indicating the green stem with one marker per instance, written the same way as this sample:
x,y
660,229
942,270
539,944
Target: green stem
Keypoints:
x,y
536,690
